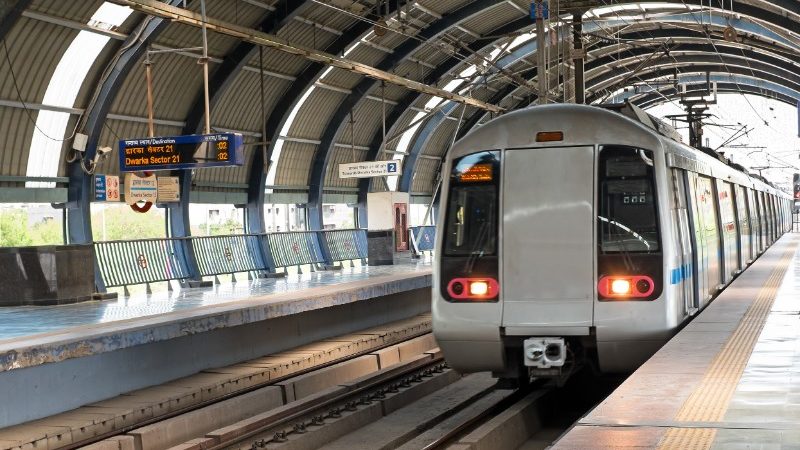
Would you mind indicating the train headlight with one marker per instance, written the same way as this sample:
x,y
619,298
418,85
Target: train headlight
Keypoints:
x,y
620,287
625,286
479,287
473,289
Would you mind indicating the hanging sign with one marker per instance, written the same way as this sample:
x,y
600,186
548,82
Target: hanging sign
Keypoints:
x,y
540,10
367,169
181,152
106,188
168,190
140,189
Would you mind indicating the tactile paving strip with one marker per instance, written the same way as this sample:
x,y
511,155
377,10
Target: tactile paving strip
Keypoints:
x,y
709,402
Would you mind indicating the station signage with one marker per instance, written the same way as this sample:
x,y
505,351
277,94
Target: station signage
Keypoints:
x,y
168,190
140,189
367,169
106,188
181,152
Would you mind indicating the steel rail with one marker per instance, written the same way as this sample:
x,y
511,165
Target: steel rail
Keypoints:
x,y
236,393
373,384
160,9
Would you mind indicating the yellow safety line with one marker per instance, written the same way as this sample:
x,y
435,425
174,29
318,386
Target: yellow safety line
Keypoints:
x,y
709,401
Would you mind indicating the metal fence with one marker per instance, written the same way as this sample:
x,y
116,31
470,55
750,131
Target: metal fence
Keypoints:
x,y
141,261
423,238
228,254
345,245
294,248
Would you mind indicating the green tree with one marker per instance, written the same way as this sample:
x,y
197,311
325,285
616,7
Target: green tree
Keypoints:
x,y
121,222
48,232
14,229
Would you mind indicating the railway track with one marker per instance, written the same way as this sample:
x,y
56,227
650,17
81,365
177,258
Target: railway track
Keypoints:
x,y
158,418
417,403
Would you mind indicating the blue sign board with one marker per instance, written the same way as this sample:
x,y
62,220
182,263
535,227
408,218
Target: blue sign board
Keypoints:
x,y
391,167
181,152
100,188
540,10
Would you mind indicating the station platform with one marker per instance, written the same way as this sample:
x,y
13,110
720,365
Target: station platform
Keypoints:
x,y
70,355
728,380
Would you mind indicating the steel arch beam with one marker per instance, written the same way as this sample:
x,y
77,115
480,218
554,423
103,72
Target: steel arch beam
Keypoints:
x,y
675,34
406,49
280,115
609,80
232,64
406,102
79,224
650,99
701,65
741,24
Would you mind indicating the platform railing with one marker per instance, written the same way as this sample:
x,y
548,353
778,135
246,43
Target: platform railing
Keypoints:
x,y
345,245
145,261
217,255
423,239
294,248
140,261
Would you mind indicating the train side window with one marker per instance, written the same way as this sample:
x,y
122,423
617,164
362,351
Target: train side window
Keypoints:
x,y
627,216
742,211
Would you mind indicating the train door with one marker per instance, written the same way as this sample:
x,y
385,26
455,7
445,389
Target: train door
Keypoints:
x,y
706,205
759,222
745,232
700,263
762,214
727,229
682,274
548,236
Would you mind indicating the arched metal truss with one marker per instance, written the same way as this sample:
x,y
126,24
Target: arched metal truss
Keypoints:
x,y
764,62
774,67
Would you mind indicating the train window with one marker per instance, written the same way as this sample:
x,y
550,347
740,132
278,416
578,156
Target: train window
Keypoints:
x,y
627,218
471,222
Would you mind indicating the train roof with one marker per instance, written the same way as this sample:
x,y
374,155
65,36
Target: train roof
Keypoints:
x,y
518,129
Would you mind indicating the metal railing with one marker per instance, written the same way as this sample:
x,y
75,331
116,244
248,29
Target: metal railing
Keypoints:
x,y
141,261
294,248
346,245
218,255
145,261
423,238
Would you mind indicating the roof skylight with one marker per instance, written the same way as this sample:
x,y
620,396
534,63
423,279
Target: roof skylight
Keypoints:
x,y
67,79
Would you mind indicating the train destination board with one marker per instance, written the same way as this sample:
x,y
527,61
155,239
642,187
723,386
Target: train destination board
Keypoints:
x,y
181,152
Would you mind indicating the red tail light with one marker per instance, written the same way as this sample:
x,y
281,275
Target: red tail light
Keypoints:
x,y
625,286
476,289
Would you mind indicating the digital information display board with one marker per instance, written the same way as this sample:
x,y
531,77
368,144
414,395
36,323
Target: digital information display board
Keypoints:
x,y
181,152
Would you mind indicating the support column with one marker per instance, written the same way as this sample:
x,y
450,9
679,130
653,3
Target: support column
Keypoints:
x,y
541,46
179,228
577,58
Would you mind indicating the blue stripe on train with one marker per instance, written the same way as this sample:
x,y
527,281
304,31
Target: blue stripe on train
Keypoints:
x,y
681,273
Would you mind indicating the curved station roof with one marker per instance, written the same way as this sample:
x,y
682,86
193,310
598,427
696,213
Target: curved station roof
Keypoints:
x,y
314,83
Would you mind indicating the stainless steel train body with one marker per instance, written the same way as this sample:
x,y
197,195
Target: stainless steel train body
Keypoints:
x,y
573,233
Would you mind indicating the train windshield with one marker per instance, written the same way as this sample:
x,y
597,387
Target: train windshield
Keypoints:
x,y
627,218
471,221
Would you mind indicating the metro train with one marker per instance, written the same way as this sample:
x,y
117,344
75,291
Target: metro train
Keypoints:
x,y
574,235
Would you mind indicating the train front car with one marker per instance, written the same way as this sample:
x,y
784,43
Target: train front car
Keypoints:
x,y
553,244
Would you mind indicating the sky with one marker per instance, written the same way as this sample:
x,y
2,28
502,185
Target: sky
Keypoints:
x,y
772,124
